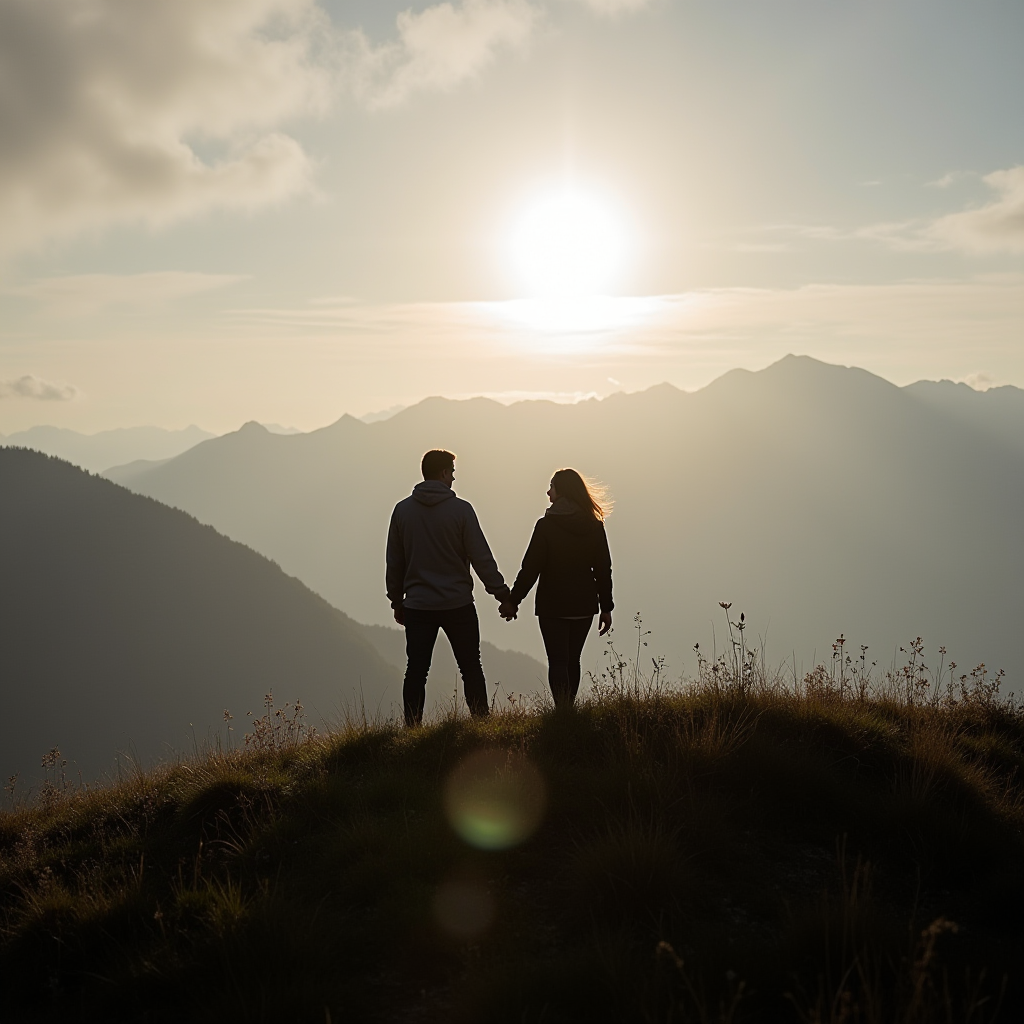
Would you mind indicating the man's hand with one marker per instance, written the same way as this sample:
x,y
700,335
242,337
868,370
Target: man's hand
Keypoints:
x,y
400,615
606,623
507,610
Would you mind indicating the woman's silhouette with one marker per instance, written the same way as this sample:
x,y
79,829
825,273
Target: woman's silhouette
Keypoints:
x,y
569,553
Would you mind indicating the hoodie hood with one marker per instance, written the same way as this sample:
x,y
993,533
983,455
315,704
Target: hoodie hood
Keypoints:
x,y
568,516
432,492
562,507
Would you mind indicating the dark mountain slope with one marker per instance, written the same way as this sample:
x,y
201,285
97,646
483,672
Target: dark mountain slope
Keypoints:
x,y
126,624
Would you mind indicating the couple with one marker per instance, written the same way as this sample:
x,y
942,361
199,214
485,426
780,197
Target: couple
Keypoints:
x,y
433,539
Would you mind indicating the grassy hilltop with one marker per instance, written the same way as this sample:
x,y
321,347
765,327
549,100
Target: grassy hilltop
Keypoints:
x,y
729,851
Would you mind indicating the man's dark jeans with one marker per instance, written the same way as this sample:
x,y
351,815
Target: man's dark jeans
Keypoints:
x,y
462,628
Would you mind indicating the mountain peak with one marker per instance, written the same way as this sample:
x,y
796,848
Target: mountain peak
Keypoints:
x,y
664,388
345,422
806,370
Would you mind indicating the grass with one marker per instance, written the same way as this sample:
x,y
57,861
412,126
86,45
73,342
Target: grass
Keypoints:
x,y
731,850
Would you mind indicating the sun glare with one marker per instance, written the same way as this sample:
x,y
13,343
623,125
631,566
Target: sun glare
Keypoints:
x,y
567,246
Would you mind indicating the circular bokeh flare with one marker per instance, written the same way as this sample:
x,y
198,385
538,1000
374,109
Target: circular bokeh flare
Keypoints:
x,y
463,908
494,799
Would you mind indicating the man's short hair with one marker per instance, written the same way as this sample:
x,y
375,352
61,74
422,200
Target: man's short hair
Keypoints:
x,y
435,463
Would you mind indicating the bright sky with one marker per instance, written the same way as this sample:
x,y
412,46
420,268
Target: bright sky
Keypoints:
x,y
220,210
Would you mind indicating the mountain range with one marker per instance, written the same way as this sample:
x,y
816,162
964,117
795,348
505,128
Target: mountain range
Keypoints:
x,y
819,500
100,451
129,626
145,445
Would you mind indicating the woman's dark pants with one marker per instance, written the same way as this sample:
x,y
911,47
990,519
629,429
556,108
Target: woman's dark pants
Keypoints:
x,y
462,628
563,641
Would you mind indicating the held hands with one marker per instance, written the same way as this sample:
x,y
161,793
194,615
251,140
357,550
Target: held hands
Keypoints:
x,y
606,623
508,611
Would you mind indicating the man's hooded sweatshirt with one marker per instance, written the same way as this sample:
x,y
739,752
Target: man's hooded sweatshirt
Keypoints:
x,y
433,540
569,552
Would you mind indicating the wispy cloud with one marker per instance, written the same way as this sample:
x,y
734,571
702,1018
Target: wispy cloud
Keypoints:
x,y
997,226
38,389
79,294
980,381
568,319
438,48
905,234
991,228
926,315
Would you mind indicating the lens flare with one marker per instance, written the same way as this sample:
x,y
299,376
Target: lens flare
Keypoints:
x,y
494,799
463,908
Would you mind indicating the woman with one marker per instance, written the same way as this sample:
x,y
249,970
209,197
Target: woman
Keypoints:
x,y
569,552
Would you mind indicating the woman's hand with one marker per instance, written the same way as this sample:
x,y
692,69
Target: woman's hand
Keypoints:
x,y
606,623
507,610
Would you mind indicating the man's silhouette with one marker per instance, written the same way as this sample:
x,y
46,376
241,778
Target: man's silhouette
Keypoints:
x,y
433,539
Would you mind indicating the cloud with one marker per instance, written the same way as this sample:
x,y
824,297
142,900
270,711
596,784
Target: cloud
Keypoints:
x,y
79,294
897,234
980,381
106,104
149,111
995,227
34,387
438,48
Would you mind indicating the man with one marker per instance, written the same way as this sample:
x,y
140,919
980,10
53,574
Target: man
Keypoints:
x,y
433,539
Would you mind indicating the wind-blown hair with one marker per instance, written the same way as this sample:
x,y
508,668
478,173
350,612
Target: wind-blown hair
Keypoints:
x,y
591,496
435,463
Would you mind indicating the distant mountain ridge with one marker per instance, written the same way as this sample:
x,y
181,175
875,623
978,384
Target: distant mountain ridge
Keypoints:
x,y
819,499
998,411
100,451
137,447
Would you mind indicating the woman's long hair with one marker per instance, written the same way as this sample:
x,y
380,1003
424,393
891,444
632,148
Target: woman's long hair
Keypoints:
x,y
591,497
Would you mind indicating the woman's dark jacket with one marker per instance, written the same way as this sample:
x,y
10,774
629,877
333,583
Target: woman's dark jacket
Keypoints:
x,y
570,555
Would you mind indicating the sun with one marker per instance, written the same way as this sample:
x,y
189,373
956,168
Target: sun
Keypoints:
x,y
567,245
